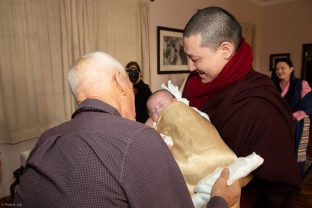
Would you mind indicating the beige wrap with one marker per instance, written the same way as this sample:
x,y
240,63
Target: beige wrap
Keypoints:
x,y
198,147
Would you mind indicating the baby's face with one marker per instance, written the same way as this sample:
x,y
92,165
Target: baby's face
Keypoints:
x,y
157,104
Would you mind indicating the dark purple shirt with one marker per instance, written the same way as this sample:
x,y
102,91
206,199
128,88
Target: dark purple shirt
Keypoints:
x,y
99,159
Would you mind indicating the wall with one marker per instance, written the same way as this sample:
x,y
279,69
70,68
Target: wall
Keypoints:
x,y
281,28
10,156
285,27
176,13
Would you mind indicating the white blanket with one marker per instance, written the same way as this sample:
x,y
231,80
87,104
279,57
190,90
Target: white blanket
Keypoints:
x,y
240,168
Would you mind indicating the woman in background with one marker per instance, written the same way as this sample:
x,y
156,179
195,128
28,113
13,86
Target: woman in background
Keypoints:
x,y
141,90
297,93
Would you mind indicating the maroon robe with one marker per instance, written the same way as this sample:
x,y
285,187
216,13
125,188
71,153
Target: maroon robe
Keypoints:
x,y
251,116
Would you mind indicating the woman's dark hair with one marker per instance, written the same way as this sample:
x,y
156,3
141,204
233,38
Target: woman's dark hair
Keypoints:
x,y
133,63
286,60
276,80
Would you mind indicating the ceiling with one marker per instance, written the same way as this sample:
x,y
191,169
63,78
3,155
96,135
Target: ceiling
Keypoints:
x,y
269,2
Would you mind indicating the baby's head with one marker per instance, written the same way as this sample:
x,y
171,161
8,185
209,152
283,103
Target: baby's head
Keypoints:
x,y
157,102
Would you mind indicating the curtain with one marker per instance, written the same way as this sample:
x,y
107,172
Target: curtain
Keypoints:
x,y
39,39
249,32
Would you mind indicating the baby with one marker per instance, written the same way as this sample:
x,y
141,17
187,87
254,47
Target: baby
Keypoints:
x,y
195,143
160,99
157,102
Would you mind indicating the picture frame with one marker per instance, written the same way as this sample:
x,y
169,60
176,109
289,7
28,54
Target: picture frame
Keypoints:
x,y
274,57
170,53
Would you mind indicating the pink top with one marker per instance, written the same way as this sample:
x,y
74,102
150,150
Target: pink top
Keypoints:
x,y
298,115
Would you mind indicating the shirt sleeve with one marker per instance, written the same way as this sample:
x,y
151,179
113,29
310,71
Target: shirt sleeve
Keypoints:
x,y
299,115
305,88
265,129
269,134
151,177
217,202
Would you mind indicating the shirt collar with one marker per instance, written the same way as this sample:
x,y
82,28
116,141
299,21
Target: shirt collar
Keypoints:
x,y
95,103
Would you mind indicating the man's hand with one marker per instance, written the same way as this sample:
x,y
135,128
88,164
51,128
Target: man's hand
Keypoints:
x,y
230,193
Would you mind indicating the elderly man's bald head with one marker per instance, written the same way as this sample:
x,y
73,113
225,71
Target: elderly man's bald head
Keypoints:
x,y
99,76
93,71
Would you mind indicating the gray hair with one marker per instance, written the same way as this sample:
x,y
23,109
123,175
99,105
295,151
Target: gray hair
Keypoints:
x,y
91,71
215,25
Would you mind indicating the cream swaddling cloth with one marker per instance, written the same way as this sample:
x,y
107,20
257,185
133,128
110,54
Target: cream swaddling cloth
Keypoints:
x,y
197,146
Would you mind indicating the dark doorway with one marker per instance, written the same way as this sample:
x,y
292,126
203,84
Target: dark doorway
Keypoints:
x,y
306,72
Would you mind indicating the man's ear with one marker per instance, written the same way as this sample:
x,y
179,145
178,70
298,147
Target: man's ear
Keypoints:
x,y
120,82
227,50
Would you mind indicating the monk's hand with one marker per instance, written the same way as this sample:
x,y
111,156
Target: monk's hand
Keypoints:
x,y
231,194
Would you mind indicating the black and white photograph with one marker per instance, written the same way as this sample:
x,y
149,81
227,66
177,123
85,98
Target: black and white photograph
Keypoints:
x,y
171,57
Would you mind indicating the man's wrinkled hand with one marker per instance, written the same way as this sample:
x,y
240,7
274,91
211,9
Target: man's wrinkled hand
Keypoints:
x,y
230,193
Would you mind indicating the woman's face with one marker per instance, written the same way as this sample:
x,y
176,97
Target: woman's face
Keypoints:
x,y
283,71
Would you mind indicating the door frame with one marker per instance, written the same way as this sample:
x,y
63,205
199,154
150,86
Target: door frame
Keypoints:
x,y
305,49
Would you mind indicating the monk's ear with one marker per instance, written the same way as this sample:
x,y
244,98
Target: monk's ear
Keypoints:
x,y
227,50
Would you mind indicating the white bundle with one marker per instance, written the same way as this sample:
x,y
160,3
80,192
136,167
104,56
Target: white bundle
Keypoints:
x,y
240,168
174,90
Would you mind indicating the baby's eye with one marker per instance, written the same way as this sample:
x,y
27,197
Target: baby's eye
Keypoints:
x,y
152,112
164,103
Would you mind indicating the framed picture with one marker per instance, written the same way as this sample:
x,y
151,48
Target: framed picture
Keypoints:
x,y
273,58
170,53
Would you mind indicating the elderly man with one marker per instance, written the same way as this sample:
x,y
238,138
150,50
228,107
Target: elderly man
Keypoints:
x,y
102,157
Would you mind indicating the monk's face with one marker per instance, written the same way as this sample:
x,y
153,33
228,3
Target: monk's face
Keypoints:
x,y
208,62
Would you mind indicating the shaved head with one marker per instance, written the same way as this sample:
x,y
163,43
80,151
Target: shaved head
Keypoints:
x,y
215,25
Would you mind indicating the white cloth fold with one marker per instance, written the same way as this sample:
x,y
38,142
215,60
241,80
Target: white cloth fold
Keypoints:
x,y
240,168
168,140
174,90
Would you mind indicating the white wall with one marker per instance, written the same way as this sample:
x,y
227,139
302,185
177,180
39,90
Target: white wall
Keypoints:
x,y
285,27
176,13
281,28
